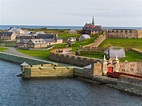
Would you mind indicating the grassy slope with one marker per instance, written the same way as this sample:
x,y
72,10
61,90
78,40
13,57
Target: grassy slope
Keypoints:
x,y
2,49
126,43
65,36
43,54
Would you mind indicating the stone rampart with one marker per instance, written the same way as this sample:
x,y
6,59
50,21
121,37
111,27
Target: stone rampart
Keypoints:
x,y
137,51
72,59
121,33
139,33
131,68
93,46
47,71
99,40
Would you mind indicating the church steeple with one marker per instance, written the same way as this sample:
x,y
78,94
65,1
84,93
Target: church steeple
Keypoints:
x,y
93,20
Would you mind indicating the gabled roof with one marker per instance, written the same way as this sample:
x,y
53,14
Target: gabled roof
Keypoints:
x,y
23,41
113,52
24,37
38,41
6,33
86,36
46,36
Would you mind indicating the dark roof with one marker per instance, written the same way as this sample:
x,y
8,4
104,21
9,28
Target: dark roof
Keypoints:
x,y
6,33
46,36
24,37
88,28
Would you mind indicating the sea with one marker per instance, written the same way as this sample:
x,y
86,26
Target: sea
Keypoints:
x,y
15,91
5,27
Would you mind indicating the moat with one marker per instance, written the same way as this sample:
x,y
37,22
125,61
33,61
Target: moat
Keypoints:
x,y
16,91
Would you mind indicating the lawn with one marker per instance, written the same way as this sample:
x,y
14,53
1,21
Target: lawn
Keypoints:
x,y
43,54
126,43
130,56
65,36
98,55
2,49
82,43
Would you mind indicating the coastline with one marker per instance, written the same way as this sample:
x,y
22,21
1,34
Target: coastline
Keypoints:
x,y
5,27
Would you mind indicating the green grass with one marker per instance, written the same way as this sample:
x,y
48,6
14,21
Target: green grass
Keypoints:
x,y
3,49
65,36
98,55
43,54
132,56
82,43
126,43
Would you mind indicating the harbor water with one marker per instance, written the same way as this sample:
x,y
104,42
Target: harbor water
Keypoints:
x,y
15,91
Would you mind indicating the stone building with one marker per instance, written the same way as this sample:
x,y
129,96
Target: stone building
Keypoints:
x,y
36,43
91,28
113,52
7,36
72,31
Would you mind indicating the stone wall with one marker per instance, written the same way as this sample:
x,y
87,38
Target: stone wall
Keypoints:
x,y
139,33
137,51
121,33
99,40
131,80
93,46
72,59
131,68
47,71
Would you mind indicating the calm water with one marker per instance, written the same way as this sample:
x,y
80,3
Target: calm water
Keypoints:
x,y
15,91
3,27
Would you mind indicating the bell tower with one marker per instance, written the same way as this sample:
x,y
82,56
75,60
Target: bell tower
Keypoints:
x,y
93,20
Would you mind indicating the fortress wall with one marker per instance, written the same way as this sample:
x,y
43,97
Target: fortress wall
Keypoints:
x,y
139,33
71,59
47,72
99,40
122,33
128,67
94,45
137,51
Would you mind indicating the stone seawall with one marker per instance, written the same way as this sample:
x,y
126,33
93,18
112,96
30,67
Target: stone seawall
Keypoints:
x,y
19,59
46,70
72,59
126,84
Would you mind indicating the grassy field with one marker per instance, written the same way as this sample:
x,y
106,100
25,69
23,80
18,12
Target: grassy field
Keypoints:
x,y
2,49
130,56
65,36
98,55
126,43
43,54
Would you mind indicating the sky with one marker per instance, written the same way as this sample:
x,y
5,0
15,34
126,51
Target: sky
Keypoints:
x,y
115,13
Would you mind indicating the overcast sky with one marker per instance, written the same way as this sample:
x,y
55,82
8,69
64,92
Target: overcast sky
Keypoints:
x,y
120,13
